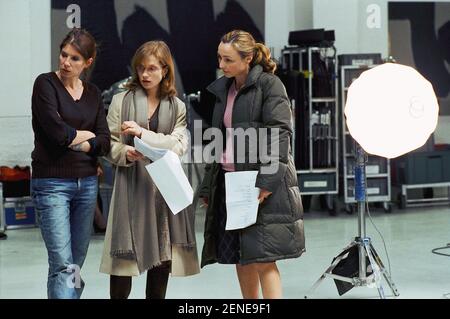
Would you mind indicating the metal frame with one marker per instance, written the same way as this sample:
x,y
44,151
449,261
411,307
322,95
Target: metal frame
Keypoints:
x,y
385,199
2,210
424,201
288,53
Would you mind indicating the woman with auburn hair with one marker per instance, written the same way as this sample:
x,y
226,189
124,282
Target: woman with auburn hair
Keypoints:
x,y
142,233
249,95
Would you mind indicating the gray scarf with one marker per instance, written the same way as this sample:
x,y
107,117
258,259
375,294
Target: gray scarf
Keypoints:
x,y
140,212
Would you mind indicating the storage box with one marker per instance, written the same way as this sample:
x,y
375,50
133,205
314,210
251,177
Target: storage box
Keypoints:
x,y
375,165
375,187
317,182
424,167
311,37
360,59
15,189
2,211
19,212
351,75
16,181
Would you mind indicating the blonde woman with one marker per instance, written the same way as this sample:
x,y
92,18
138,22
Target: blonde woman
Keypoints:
x,y
249,95
142,234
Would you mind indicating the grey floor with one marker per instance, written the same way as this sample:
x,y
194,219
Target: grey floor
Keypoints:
x,y
410,235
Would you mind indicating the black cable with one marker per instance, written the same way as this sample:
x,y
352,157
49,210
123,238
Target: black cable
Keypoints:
x,y
379,233
434,251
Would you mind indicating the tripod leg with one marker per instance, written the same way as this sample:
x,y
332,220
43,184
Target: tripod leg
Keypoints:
x,y
376,270
322,277
385,273
329,270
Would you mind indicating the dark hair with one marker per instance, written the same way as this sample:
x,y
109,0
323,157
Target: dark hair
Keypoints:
x,y
82,41
245,45
161,52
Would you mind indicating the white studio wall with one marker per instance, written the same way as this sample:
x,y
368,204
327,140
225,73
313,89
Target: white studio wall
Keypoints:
x,y
361,26
25,53
418,37
283,16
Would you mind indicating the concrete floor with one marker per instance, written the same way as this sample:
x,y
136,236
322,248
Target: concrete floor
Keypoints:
x,y
410,235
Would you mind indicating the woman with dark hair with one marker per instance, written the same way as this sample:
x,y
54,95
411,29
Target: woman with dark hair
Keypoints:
x,y
142,233
250,96
70,132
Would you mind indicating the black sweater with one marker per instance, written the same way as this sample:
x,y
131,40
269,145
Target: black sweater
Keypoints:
x,y
56,117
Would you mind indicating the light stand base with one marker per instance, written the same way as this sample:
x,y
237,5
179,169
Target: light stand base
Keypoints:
x,y
365,250
377,269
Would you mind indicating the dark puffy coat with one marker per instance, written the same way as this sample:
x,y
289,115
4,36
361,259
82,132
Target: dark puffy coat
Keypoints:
x,y
278,232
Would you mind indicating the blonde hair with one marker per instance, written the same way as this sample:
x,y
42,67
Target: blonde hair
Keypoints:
x,y
161,52
245,45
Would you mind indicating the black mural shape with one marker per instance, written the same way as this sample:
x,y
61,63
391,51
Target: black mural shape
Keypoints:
x,y
99,18
429,51
194,43
193,40
444,40
234,16
138,28
195,36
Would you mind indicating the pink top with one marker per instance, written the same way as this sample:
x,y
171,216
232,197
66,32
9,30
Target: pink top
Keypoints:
x,y
227,155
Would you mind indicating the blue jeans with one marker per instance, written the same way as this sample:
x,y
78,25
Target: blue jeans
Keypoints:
x,y
65,211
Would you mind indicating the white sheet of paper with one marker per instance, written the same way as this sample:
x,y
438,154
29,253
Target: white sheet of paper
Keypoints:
x,y
148,151
241,199
168,175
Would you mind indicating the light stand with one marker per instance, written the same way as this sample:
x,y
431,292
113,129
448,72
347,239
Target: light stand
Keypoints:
x,y
189,98
403,101
363,243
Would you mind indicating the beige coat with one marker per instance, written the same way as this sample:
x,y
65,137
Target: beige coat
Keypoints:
x,y
184,263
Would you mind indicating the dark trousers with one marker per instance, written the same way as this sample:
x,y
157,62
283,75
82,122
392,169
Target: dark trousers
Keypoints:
x,y
227,241
157,278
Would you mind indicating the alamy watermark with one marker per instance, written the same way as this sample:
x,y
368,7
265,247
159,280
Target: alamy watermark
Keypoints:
x,y
74,18
74,280
245,146
373,20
